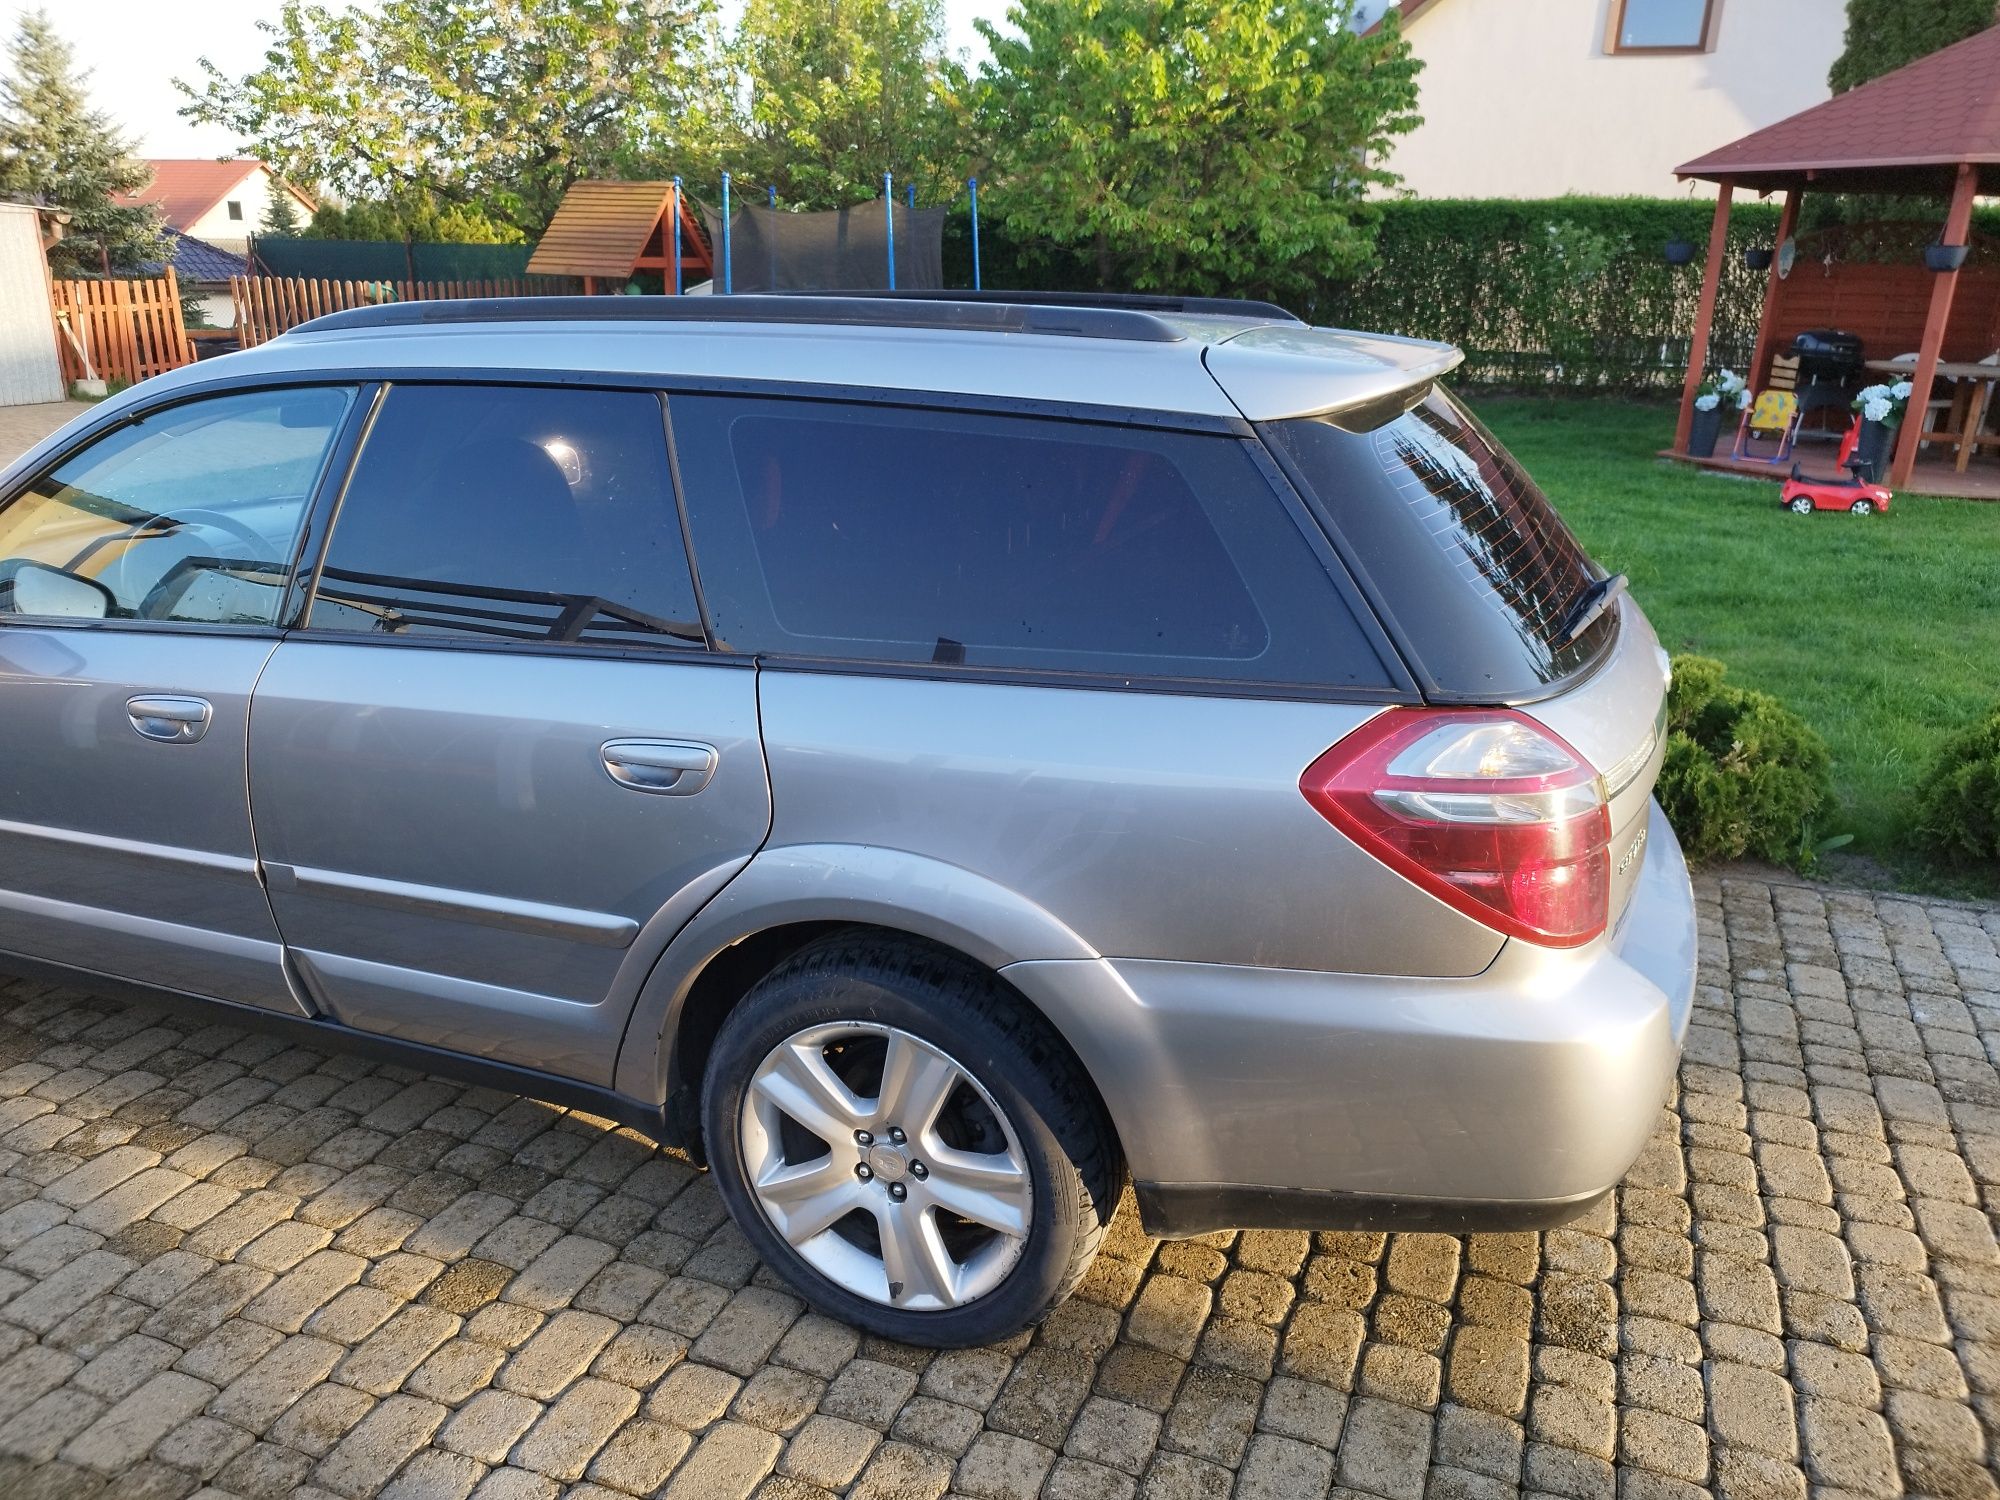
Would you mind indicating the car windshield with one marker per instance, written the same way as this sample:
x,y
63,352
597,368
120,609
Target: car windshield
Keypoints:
x,y
1478,570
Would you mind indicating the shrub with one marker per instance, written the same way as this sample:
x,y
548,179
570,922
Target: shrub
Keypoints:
x,y
1958,801
1743,774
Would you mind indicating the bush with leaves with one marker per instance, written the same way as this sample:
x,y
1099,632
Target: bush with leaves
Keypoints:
x,y
1743,773
1958,801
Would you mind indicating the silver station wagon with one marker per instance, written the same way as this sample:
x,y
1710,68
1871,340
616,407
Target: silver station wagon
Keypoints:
x,y
932,758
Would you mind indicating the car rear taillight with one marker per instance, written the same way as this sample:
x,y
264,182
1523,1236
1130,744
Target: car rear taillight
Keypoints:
x,y
1485,809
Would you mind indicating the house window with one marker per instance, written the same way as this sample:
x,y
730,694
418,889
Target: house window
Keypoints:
x,y
1661,25
235,209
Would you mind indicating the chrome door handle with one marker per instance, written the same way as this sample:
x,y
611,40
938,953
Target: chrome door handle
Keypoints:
x,y
672,768
170,720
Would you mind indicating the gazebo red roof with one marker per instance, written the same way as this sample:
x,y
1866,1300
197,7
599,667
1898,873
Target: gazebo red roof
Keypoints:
x,y
1905,132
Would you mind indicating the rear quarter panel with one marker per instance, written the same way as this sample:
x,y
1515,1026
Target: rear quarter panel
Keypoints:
x,y
1151,825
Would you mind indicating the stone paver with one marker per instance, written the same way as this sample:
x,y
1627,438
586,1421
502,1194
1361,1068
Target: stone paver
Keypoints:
x,y
233,1263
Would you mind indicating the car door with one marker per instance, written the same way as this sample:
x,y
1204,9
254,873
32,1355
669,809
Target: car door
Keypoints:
x,y
499,767
141,581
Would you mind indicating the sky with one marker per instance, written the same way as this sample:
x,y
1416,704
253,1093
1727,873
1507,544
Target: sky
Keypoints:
x,y
135,48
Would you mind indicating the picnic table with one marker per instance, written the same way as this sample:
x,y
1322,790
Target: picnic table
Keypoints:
x,y
1972,387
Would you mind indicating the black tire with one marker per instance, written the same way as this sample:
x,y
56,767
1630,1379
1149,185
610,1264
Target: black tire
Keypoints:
x,y
1074,1165
1800,505
1863,507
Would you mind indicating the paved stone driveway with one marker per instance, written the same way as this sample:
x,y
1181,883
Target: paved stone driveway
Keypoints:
x,y
224,1262
21,427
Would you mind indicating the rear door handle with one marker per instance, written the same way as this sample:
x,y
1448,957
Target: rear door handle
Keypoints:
x,y
670,768
170,720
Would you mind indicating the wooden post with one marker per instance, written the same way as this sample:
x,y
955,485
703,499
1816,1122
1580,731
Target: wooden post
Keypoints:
x,y
1704,317
1957,224
1788,221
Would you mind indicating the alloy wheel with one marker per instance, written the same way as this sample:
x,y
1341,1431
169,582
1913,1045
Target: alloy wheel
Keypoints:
x,y
886,1166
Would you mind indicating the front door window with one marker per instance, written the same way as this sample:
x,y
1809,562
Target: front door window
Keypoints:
x,y
188,514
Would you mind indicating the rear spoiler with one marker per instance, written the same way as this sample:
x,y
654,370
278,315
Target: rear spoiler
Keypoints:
x,y
1356,380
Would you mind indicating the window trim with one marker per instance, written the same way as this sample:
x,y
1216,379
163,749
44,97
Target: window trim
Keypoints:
x,y
339,457
1711,17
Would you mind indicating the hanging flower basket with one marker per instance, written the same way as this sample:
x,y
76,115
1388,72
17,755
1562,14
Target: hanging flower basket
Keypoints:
x,y
1945,257
1679,252
1757,258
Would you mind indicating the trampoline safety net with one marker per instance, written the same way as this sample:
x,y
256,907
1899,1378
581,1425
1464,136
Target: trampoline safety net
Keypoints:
x,y
843,249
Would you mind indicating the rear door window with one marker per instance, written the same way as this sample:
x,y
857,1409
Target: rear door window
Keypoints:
x,y
1465,551
511,513
875,533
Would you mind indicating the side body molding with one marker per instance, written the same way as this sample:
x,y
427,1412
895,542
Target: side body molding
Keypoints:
x,y
834,883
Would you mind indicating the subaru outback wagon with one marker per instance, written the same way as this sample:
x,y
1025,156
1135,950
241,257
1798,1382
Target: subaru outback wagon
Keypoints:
x,y
929,758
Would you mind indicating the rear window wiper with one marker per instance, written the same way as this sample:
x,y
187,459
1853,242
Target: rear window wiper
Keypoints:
x,y
1591,603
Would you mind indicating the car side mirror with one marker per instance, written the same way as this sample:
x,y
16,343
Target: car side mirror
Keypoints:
x,y
42,590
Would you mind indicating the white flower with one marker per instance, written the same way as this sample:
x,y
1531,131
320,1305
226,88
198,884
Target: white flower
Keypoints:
x,y
1743,398
1708,402
1729,382
1877,409
1901,390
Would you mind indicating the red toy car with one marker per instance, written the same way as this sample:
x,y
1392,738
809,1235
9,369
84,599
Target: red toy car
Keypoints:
x,y
1802,496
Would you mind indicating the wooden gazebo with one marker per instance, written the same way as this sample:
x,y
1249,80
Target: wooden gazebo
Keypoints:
x,y
1930,129
604,231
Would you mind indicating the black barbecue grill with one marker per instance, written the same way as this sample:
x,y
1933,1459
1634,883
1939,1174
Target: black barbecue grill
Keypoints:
x,y
1827,355
1823,365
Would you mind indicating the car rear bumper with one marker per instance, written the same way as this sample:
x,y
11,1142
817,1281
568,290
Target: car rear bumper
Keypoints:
x,y
1514,1099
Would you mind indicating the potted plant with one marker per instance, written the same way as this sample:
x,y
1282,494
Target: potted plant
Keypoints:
x,y
1679,252
1880,408
1757,258
1724,386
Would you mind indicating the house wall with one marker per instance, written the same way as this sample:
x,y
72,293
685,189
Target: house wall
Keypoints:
x,y
254,193
1521,100
28,369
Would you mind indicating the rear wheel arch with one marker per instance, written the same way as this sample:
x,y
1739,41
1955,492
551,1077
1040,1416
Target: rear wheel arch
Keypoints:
x,y
785,898
729,976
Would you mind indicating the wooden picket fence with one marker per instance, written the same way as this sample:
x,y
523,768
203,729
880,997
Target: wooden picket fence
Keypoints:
x,y
129,329
268,305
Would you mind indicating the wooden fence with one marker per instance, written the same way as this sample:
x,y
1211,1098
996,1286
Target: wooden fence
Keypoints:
x,y
128,329
268,305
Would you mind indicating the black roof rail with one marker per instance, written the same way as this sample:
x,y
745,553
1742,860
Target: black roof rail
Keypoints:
x,y
990,315
1152,302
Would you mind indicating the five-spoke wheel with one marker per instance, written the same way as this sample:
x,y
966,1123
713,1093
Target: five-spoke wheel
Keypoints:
x,y
886,1165
903,1138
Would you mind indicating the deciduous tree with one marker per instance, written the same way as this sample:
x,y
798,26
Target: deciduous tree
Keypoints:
x,y
56,148
494,104
1195,145
841,91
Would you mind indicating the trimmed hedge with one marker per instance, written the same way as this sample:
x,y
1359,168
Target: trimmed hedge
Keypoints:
x,y
1743,774
1958,801
1572,292
1569,293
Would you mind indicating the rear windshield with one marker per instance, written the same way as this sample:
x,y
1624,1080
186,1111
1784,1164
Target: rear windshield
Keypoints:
x,y
1465,551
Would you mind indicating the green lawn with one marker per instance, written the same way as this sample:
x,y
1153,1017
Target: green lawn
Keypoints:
x,y
1883,631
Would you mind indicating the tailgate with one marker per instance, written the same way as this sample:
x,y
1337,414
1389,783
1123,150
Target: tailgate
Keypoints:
x,y
1616,716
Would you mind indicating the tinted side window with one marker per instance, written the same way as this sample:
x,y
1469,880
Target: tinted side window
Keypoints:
x,y
191,513
1475,563
874,533
511,513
